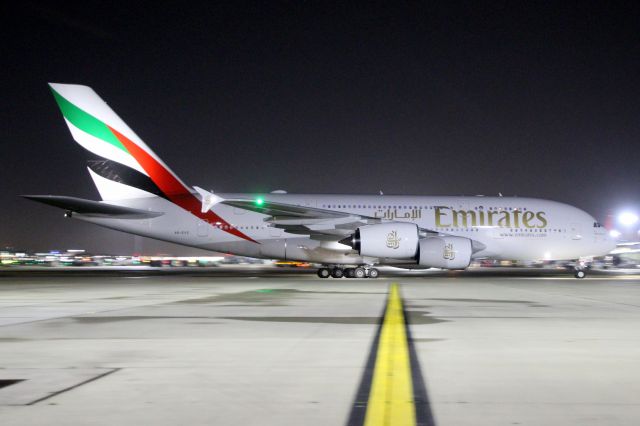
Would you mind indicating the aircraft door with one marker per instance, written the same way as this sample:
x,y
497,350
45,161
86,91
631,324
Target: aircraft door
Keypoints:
x,y
203,228
275,232
575,231
497,233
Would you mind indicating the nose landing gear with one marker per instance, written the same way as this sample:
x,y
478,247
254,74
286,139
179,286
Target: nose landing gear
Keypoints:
x,y
580,268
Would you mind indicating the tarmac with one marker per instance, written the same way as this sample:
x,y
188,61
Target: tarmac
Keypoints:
x,y
258,346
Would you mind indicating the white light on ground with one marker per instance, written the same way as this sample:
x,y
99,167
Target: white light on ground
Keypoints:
x,y
627,218
613,233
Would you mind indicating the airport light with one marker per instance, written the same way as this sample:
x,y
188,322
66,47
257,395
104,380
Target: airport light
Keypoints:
x,y
627,218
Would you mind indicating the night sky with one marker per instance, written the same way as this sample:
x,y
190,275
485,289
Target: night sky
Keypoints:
x,y
412,98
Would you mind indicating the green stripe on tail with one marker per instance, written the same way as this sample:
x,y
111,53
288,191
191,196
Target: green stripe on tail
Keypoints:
x,y
86,122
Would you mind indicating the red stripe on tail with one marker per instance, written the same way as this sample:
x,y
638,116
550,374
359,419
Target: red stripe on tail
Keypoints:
x,y
175,191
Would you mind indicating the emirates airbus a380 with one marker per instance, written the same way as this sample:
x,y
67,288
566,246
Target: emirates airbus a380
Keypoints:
x,y
347,234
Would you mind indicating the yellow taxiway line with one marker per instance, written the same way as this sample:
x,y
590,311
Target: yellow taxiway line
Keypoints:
x,y
391,397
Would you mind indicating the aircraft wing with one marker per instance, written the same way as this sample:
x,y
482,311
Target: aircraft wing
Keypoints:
x,y
93,208
319,224
282,209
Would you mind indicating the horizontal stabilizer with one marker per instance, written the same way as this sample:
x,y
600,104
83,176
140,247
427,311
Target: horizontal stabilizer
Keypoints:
x,y
92,208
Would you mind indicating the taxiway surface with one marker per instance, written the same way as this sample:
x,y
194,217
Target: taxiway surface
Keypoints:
x,y
286,348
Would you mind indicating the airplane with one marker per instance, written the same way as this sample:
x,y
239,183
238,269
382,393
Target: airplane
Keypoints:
x,y
347,234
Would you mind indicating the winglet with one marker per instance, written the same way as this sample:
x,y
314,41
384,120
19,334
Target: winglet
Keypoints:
x,y
208,199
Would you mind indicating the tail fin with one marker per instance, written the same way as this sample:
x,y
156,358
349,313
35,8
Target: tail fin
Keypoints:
x,y
130,168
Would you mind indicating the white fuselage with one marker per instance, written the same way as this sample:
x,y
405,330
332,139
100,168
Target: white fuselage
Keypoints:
x,y
143,196
508,228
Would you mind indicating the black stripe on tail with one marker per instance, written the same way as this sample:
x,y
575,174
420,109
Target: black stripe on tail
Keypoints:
x,y
125,175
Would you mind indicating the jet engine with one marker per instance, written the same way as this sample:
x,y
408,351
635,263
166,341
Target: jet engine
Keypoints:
x,y
445,252
392,240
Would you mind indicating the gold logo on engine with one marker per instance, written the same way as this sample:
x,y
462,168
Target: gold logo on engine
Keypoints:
x,y
448,252
393,241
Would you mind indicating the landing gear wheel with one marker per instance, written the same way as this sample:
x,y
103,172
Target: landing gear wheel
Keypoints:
x,y
349,272
324,272
337,273
359,273
580,273
373,273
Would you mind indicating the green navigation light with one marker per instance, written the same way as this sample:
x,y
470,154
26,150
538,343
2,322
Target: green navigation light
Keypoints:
x,y
259,201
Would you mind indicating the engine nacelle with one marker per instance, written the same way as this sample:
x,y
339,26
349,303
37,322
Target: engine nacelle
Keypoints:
x,y
445,252
392,240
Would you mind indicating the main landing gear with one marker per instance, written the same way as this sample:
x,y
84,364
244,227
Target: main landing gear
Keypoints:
x,y
338,272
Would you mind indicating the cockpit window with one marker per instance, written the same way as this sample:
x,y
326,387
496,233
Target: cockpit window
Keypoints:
x,y
597,225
